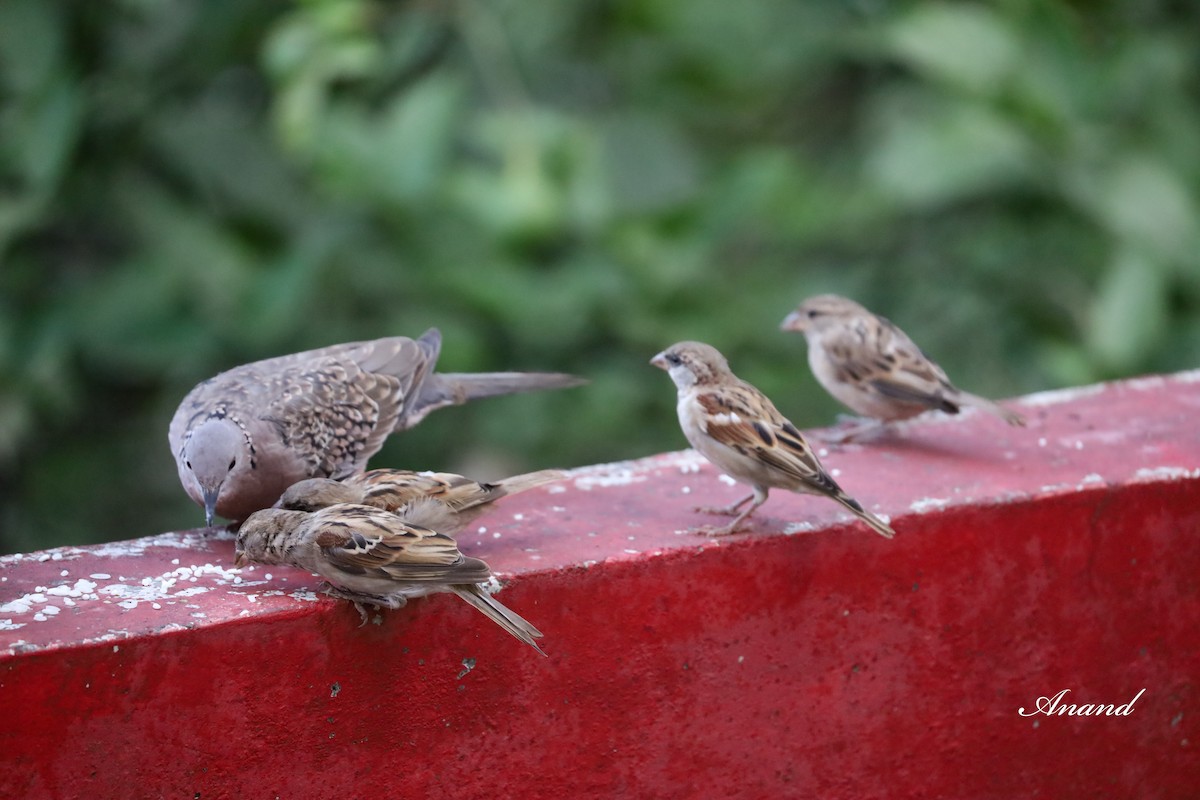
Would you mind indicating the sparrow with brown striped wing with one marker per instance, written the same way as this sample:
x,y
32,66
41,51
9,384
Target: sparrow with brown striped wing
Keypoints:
x,y
738,429
396,489
872,366
373,557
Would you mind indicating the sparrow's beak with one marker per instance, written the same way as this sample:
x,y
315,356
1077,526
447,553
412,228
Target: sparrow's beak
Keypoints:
x,y
239,559
660,361
210,504
792,322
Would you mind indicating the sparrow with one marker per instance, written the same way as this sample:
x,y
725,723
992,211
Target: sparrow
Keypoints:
x,y
243,437
396,489
373,557
872,366
738,429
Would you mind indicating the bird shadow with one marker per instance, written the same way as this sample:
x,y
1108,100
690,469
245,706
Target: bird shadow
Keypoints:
x,y
917,442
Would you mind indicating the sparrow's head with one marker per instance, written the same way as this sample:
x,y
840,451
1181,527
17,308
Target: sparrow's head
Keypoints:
x,y
262,537
317,493
693,364
820,313
215,451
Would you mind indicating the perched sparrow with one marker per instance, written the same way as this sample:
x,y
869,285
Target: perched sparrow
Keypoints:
x,y
739,430
870,365
396,489
373,557
241,438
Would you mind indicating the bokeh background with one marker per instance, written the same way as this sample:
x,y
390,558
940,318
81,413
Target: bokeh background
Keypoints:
x,y
186,185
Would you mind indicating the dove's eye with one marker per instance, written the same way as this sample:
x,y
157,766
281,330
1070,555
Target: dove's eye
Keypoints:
x,y
189,464
232,464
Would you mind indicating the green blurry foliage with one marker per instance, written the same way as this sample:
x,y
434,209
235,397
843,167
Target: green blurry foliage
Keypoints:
x,y
187,185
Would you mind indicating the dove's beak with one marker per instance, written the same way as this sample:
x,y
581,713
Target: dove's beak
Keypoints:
x,y
660,361
210,504
792,322
239,559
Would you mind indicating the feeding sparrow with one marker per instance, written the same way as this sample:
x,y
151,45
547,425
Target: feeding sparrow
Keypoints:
x,y
396,489
737,428
871,366
373,557
241,438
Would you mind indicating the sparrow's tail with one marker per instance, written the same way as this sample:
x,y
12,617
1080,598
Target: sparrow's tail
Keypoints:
x,y
500,614
877,525
463,494
519,483
443,389
1011,417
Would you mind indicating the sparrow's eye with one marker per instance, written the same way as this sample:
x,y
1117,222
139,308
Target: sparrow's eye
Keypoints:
x,y
232,464
189,464
813,313
674,360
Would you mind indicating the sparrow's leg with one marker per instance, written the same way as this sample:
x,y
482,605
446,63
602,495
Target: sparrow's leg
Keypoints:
x,y
360,600
759,497
725,511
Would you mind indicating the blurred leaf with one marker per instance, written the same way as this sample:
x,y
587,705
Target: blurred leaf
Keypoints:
x,y
53,126
31,41
1143,202
1066,363
1128,317
965,45
39,120
513,192
651,167
320,44
219,147
930,153
398,156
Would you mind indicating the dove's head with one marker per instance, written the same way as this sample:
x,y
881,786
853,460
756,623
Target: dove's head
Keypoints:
x,y
693,364
820,313
265,535
317,493
215,453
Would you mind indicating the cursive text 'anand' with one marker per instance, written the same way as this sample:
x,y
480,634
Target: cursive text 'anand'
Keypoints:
x,y
1055,707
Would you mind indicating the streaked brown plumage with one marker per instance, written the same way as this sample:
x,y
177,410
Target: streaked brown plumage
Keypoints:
x,y
243,437
372,557
737,428
872,366
396,489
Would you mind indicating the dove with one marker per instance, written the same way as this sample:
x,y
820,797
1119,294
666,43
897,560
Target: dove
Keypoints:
x,y
243,437
738,429
870,365
396,489
373,557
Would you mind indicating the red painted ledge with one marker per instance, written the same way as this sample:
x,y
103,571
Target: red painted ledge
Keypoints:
x,y
809,658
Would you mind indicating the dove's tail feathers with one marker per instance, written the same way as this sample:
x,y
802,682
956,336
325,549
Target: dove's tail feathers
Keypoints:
x,y
1011,417
500,614
443,389
875,523
459,387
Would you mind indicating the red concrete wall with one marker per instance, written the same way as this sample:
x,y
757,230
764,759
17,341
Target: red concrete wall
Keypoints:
x,y
826,663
